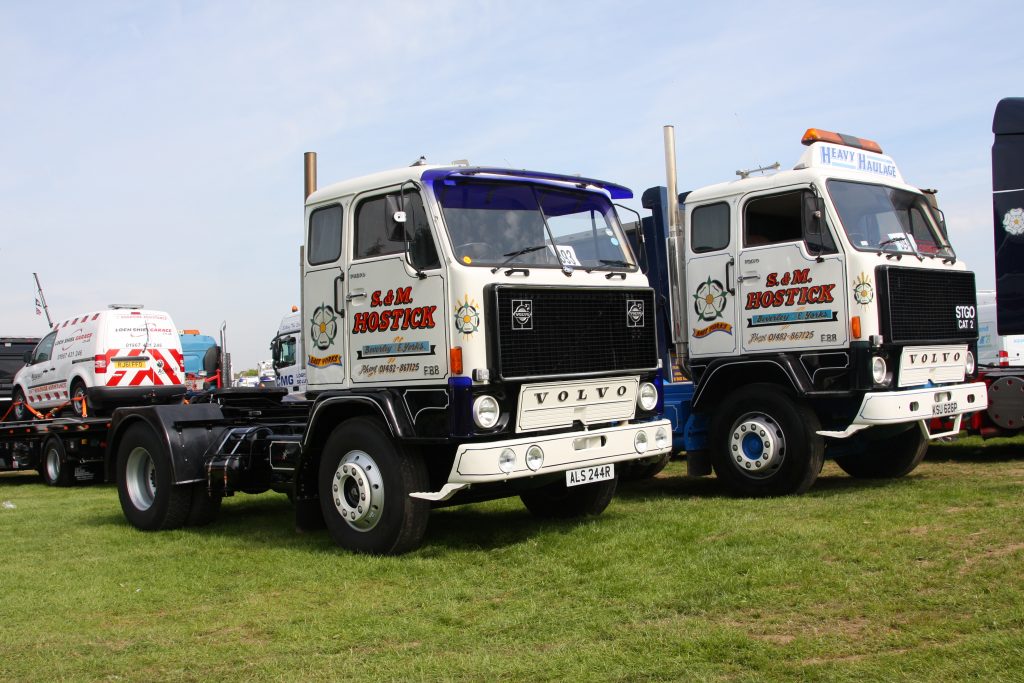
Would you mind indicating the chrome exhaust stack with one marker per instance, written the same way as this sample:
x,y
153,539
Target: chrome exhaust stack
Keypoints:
x,y
676,255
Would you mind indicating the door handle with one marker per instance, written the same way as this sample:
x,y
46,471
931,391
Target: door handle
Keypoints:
x,y
728,280
741,278
358,294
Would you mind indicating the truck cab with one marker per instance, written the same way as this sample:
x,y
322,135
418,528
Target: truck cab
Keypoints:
x,y
821,309
498,314
286,352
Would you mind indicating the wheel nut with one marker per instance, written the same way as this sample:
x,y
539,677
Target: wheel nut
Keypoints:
x,y
762,432
360,509
335,488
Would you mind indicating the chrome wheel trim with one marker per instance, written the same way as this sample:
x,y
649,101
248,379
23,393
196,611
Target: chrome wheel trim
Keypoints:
x,y
757,446
140,478
357,491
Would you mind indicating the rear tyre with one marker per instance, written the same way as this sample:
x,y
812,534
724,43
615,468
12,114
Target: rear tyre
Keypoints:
x,y
20,410
765,443
53,464
365,480
889,458
558,501
145,483
204,508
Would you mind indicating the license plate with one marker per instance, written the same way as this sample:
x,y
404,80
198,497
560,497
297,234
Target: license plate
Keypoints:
x,y
947,408
588,475
129,363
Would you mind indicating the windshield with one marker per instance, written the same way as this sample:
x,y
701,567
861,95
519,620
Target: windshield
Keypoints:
x,y
498,224
880,218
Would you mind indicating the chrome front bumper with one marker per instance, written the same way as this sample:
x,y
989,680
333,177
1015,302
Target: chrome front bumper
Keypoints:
x,y
915,405
477,463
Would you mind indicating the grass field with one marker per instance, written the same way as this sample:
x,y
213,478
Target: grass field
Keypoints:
x,y
918,579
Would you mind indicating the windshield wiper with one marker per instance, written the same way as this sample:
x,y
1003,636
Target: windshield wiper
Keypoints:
x,y
610,262
513,254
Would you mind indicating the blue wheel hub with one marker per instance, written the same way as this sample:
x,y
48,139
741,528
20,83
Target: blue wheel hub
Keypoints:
x,y
757,446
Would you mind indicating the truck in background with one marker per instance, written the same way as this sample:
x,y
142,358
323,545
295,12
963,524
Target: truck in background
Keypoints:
x,y
287,353
1001,313
811,312
473,333
12,359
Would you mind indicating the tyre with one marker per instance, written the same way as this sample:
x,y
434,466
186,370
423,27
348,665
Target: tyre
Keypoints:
x,y
887,458
54,467
764,442
77,396
203,507
558,501
145,483
365,480
20,410
637,470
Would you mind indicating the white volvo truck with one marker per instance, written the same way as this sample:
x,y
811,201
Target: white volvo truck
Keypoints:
x,y
818,312
468,333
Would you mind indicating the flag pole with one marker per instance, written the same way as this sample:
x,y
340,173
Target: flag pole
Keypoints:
x,y
42,300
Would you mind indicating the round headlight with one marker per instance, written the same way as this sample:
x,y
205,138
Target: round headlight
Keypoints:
x,y
534,457
969,363
661,438
507,460
647,397
878,369
640,442
486,411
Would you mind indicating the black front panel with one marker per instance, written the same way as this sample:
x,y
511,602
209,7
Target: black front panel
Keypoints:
x,y
926,306
549,331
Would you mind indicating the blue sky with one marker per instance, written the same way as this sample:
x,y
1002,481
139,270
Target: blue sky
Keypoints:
x,y
152,152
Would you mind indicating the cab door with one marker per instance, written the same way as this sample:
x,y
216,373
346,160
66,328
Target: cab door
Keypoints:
x,y
396,305
323,295
710,296
790,285
42,386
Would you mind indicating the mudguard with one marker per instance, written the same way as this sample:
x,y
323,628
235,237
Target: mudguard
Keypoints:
x,y
179,427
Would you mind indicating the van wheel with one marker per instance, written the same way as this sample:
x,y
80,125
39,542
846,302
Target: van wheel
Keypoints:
x,y
77,396
149,498
53,464
365,480
558,501
887,458
765,443
19,412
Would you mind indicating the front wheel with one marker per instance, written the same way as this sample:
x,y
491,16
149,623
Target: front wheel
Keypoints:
x,y
887,458
54,466
365,479
145,483
558,501
20,407
765,442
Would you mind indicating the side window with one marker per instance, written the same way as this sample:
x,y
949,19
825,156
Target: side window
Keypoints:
x,y
287,351
771,220
374,227
377,234
324,235
709,228
44,349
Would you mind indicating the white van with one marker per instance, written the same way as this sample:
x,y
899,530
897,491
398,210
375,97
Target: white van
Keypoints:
x,y
123,355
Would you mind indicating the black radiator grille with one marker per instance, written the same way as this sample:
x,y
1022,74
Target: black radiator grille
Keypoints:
x,y
547,331
919,305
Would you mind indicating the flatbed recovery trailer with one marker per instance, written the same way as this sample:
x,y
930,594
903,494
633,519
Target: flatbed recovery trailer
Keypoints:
x,y
64,450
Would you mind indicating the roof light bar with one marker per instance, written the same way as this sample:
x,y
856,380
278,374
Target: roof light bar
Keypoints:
x,y
817,135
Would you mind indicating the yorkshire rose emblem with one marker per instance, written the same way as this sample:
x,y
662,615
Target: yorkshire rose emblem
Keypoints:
x,y
1013,222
